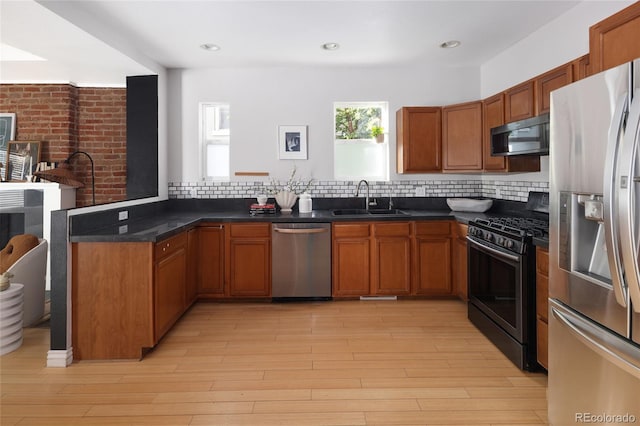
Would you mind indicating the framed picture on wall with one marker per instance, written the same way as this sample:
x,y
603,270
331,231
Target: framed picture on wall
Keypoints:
x,y
22,159
7,133
292,142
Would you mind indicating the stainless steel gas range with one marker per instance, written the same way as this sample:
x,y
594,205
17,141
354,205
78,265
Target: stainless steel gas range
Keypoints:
x,y
502,292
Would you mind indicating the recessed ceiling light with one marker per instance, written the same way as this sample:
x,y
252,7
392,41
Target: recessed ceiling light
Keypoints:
x,y
330,46
450,44
210,46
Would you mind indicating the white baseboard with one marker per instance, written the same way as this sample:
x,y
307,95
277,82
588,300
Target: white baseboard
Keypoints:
x,y
60,358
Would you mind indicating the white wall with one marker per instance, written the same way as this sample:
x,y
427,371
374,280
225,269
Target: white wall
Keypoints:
x,y
261,99
560,41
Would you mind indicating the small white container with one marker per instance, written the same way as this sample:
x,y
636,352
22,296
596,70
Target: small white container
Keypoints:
x,y
305,205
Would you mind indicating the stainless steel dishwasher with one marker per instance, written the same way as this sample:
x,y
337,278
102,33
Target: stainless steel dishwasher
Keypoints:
x,y
301,261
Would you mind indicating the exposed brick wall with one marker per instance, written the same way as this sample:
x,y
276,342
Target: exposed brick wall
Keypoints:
x,y
102,128
65,119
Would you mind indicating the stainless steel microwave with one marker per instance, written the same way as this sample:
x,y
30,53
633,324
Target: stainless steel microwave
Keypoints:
x,y
524,137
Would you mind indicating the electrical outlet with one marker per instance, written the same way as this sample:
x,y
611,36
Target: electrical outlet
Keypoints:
x,y
123,229
420,191
123,215
194,193
498,193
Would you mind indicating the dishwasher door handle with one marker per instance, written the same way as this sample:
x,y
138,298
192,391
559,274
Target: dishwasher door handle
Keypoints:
x,y
301,230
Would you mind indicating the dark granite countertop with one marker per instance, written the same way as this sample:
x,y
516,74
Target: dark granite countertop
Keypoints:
x,y
159,227
154,222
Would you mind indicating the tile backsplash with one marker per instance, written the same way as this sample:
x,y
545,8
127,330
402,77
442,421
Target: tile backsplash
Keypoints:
x,y
505,190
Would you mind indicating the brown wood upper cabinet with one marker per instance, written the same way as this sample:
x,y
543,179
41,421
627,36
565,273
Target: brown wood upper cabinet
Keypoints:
x,y
548,82
493,116
462,137
519,102
615,40
418,139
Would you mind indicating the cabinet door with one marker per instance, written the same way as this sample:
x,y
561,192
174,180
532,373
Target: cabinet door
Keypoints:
x,y
418,139
211,261
548,82
462,137
191,284
169,302
432,266
519,102
493,116
391,266
614,40
350,259
581,67
460,264
391,258
542,305
250,267
351,267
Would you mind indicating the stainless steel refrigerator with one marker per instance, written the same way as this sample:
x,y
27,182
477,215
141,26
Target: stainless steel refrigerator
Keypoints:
x,y
594,290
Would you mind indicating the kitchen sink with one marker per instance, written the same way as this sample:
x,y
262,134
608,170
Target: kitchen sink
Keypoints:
x,y
386,212
344,212
376,212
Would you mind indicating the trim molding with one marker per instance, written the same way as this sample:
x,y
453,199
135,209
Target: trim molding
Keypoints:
x,y
59,358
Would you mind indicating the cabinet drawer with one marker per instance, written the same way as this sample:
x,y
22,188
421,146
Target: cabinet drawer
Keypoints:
x,y
351,230
170,245
253,230
542,261
396,229
433,228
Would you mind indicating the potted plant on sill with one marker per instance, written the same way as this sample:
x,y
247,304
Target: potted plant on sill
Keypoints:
x,y
377,132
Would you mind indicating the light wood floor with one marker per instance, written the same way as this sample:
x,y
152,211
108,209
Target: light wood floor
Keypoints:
x,y
325,363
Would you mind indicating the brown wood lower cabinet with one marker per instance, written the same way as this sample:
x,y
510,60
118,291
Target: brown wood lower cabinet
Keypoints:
x,y
460,262
170,282
249,266
351,259
211,261
432,258
391,259
542,305
126,296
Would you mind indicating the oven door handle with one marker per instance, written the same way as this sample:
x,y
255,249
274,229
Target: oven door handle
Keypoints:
x,y
491,250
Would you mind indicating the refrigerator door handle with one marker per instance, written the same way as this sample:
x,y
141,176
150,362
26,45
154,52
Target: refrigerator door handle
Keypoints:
x,y
627,202
610,201
605,343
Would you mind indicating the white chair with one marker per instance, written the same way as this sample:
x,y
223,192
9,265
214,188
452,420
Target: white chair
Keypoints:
x,y
31,271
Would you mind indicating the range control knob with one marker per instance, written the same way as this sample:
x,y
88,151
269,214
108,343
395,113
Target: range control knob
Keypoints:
x,y
508,244
488,236
500,241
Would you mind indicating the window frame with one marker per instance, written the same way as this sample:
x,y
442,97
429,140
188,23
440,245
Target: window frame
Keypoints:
x,y
220,137
384,122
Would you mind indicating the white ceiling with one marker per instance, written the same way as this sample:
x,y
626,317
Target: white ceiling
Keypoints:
x,y
256,33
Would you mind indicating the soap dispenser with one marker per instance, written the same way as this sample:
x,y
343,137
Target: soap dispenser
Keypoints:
x,y
305,203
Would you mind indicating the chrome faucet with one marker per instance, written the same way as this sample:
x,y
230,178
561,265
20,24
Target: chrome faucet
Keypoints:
x,y
367,196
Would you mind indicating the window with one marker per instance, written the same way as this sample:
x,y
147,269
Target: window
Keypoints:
x,y
357,155
214,140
